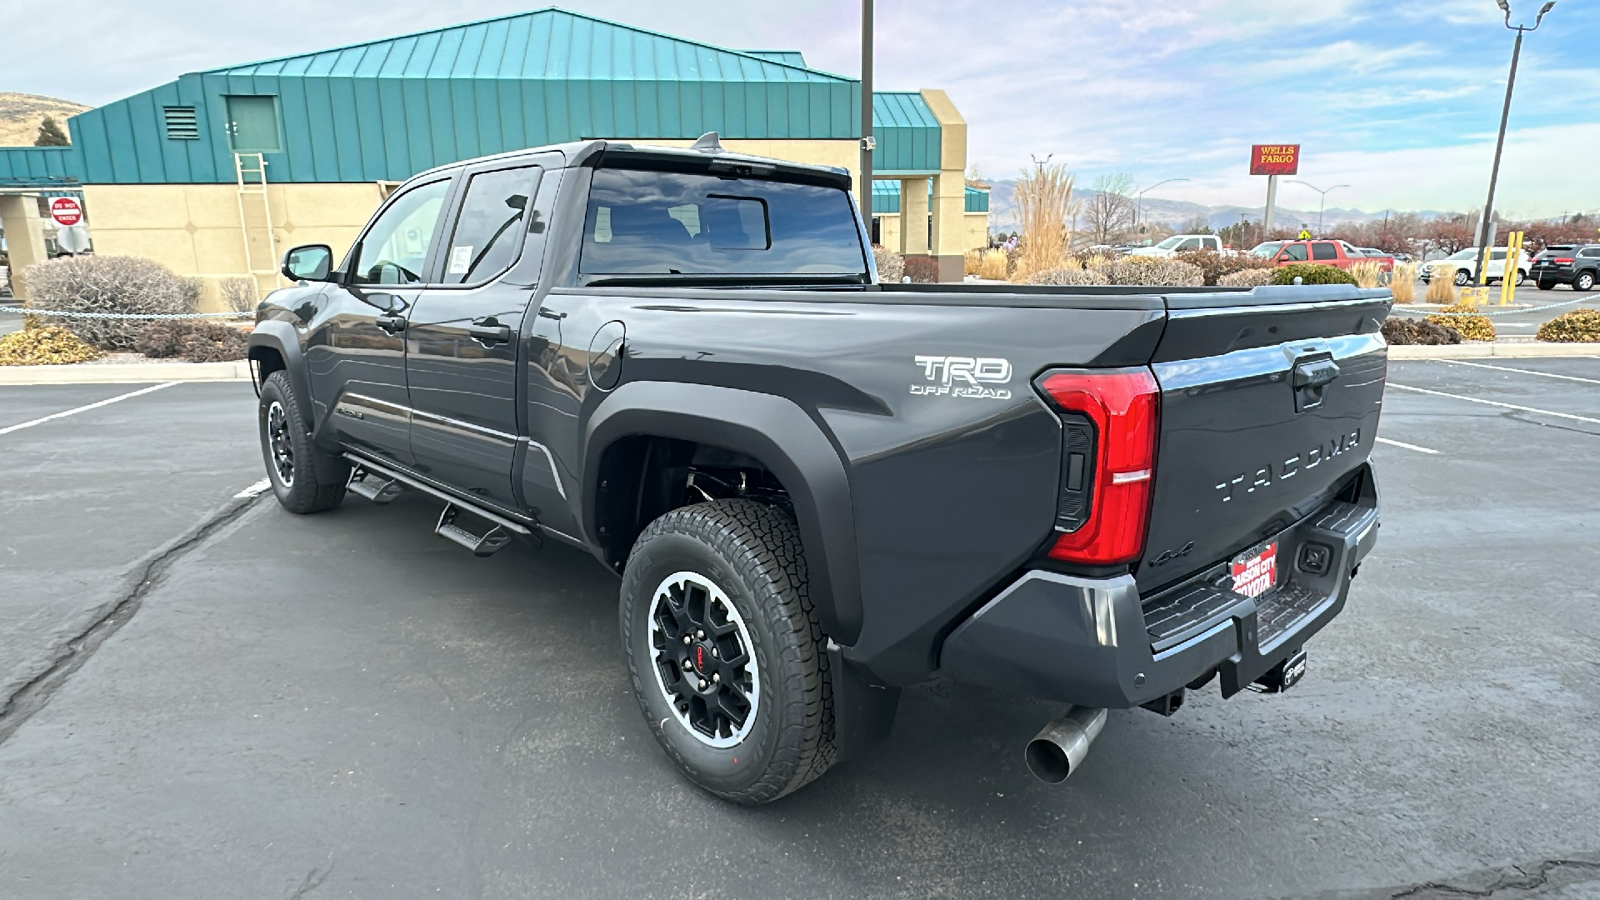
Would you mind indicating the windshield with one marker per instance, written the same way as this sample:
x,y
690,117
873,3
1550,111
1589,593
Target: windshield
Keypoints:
x,y
1267,250
677,223
1170,242
1464,254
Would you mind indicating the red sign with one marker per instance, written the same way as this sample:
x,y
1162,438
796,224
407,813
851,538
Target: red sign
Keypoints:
x,y
1274,159
66,211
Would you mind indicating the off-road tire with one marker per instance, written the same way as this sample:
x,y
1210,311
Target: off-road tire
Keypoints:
x,y
752,553
304,492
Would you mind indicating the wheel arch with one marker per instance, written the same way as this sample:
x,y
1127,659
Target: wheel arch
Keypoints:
x,y
273,346
769,429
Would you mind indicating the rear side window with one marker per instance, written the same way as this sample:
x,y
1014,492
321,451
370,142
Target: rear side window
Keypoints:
x,y
675,223
1295,252
1590,253
1324,250
491,229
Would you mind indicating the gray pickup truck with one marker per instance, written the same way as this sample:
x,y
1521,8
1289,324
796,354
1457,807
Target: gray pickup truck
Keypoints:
x,y
818,489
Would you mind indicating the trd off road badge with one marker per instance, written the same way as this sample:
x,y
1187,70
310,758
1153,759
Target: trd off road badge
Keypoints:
x,y
963,376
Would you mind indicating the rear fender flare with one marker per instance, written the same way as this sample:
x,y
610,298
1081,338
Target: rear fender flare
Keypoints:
x,y
771,429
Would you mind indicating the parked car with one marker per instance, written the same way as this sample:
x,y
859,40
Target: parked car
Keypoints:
x,y
1180,243
1574,264
816,489
1462,267
1328,253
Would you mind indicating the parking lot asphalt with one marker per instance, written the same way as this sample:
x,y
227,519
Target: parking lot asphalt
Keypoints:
x,y
345,705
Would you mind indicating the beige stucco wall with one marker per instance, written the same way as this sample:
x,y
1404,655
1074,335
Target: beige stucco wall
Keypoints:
x,y
194,229
974,231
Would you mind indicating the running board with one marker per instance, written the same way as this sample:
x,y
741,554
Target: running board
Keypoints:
x,y
378,489
485,544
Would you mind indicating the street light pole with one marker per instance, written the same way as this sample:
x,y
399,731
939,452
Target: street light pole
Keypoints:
x,y
1505,114
867,140
1138,214
1321,204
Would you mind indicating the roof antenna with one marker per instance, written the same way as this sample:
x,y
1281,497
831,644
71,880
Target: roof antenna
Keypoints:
x,y
708,143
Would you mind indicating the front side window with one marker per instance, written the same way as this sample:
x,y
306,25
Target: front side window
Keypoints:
x,y
1463,254
395,249
1324,250
1295,252
493,225
1190,244
677,223
1170,243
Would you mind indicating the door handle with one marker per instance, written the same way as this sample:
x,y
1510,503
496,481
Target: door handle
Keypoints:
x,y
489,331
391,324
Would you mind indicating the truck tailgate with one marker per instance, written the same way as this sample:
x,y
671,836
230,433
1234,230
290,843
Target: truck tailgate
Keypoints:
x,y
1268,401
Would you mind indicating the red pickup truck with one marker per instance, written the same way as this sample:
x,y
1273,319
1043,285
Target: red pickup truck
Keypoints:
x,y
1328,253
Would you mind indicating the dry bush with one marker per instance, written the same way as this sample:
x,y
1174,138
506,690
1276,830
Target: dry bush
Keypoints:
x,y
1441,291
994,266
190,340
922,269
1403,283
190,289
1472,327
240,293
1044,206
1401,330
1215,265
970,263
1066,276
891,265
1134,270
105,284
1246,278
48,345
1367,274
1580,326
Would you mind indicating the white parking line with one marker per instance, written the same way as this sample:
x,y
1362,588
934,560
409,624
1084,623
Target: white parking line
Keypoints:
x,y
1532,409
1406,446
72,412
254,490
1457,362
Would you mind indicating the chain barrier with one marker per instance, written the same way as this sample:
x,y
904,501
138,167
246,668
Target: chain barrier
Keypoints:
x,y
1501,312
69,314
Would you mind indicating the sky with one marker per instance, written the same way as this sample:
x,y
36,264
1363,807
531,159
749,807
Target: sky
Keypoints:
x,y
1399,99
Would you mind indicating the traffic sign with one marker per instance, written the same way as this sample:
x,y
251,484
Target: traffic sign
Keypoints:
x,y
66,211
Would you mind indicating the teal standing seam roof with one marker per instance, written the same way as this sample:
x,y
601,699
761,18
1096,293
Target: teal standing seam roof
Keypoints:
x,y
886,197
387,109
27,166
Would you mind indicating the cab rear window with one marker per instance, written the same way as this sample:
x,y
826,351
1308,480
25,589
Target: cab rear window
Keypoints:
x,y
675,223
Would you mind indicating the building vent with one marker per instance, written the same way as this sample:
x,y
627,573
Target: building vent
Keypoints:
x,y
181,124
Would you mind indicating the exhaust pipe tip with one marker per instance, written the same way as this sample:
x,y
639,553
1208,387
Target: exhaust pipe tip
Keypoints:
x,y
1060,748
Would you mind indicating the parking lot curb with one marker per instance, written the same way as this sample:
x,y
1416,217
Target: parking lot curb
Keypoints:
x,y
132,373
1502,350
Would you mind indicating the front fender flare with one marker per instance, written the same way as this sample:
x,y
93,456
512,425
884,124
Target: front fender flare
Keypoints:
x,y
771,429
280,336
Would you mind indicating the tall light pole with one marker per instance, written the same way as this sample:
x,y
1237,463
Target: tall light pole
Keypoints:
x,y
868,142
1505,113
1138,214
1321,204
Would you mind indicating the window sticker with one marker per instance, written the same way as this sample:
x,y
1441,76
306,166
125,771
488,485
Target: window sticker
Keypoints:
x,y
460,260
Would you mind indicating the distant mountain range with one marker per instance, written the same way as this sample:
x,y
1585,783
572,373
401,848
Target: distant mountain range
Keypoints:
x,y
1175,213
21,114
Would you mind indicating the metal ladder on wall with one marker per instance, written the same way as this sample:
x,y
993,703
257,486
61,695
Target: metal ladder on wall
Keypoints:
x,y
250,171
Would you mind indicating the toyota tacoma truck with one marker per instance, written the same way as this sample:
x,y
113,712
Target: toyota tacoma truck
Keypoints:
x,y
817,489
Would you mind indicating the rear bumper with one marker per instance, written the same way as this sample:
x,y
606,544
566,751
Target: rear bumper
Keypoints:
x,y
1096,642
1556,274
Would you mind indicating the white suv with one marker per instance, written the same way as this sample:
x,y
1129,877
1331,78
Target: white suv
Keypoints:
x,y
1462,267
1179,243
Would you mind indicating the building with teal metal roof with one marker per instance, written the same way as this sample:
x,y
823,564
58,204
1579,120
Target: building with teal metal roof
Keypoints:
x,y
378,112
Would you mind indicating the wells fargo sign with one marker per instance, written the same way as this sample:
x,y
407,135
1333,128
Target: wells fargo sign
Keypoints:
x,y
1274,159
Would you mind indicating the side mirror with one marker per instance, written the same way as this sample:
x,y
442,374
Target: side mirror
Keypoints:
x,y
313,262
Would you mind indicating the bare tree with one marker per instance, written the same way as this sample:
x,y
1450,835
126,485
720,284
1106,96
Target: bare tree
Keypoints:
x,y
1109,211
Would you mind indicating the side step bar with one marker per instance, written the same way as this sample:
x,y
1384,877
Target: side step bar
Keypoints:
x,y
381,484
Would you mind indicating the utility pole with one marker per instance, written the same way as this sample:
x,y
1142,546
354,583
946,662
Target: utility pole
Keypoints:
x,y
1138,213
1487,224
1324,202
868,142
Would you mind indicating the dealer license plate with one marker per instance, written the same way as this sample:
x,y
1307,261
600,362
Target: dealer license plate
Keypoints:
x,y
1255,571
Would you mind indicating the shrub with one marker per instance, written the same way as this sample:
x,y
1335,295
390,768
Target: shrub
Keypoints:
x,y
922,269
1136,270
1044,207
1247,278
1216,265
193,341
970,263
1312,273
240,293
49,345
1367,274
1067,276
1472,327
1580,326
105,284
891,265
1402,330
190,289
995,265
1403,282
1441,292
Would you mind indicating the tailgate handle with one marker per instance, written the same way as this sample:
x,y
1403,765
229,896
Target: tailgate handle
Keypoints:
x,y
1309,381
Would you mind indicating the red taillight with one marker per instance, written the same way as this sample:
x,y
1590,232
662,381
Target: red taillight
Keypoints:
x,y
1562,260
1122,406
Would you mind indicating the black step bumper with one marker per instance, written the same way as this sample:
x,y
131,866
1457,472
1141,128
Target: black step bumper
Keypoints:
x,y
1096,642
